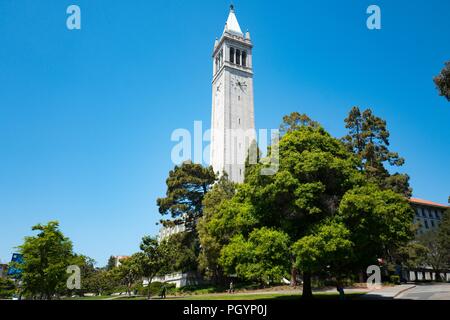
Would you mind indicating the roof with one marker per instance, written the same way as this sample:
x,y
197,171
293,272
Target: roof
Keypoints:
x,y
427,203
121,257
232,24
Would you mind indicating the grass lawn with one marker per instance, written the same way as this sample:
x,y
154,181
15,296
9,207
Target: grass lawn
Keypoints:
x,y
90,298
253,296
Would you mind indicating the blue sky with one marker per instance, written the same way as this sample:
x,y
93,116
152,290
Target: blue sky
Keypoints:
x,y
86,116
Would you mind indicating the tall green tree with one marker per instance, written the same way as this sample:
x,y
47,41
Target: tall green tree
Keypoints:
x,y
210,243
130,271
45,259
157,258
187,185
111,263
322,200
315,171
368,139
442,81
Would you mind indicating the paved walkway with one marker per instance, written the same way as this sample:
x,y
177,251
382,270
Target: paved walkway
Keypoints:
x,y
427,292
388,293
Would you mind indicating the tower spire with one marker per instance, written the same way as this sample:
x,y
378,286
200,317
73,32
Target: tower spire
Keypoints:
x,y
232,24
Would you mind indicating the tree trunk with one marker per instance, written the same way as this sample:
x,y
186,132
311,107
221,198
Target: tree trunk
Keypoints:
x,y
361,276
149,294
307,291
294,273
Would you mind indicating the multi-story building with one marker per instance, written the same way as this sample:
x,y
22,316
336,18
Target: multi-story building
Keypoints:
x,y
118,260
428,214
166,232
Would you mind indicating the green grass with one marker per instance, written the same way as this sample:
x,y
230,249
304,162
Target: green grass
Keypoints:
x,y
262,296
90,298
253,296
267,296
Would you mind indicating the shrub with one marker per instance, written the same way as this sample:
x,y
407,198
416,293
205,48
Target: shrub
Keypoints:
x,y
395,279
7,288
156,288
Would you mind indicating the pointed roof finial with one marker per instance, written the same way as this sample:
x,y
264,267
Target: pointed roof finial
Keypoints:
x,y
232,24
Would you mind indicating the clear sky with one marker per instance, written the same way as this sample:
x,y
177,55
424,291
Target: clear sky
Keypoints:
x,y
86,116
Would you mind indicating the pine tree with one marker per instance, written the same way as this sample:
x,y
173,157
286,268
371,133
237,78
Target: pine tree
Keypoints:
x,y
368,139
442,81
186,187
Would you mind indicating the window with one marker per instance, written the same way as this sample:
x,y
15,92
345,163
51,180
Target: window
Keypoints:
x,y
426,224
417,213
244,58
238,56
232,55
423,213
432,223
430,214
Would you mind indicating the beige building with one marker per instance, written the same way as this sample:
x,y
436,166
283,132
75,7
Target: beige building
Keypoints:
x,y
428,214
118,260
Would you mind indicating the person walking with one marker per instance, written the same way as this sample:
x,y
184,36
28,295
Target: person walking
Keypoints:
x,y
231,287
163,292
340,289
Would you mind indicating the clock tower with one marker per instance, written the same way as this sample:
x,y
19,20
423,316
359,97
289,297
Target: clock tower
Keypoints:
x,y
232,123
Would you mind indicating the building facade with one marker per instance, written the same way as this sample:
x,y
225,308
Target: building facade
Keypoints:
x,y
428,214
166,232
232,119
118,260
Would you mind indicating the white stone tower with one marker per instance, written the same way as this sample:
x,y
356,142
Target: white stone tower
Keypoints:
x,y
232,123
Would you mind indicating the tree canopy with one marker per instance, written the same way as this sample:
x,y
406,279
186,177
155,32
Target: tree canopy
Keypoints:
x,y
319,209
46,257
442,81
368,139
186,187
263,257
296,120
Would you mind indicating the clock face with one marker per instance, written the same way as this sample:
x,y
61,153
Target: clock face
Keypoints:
x,y
239,83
